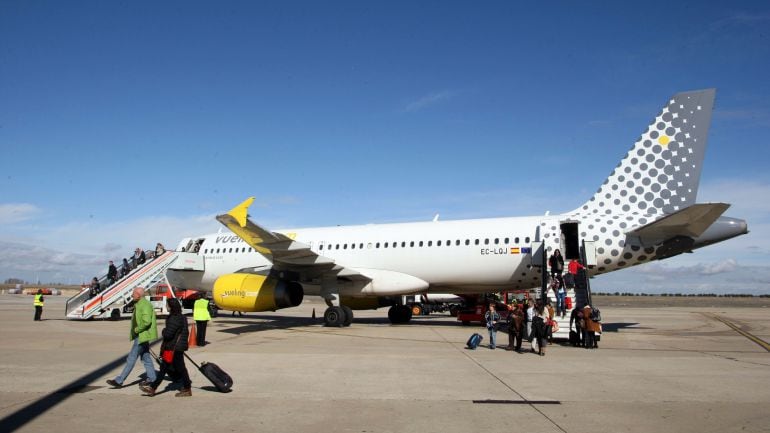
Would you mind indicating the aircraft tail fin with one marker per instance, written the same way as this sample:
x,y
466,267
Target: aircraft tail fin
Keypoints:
x,y
661,172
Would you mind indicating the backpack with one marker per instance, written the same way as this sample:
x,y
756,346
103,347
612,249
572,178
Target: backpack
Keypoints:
x,y
596,315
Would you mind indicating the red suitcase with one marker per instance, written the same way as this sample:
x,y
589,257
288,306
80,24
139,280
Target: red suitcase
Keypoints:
x,y
568,302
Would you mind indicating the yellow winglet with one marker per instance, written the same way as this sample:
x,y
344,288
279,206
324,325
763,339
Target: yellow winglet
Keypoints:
x,y
240,212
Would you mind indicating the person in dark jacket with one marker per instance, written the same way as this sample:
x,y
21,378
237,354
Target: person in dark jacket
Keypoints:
x,y
175,336
515,328
556,263
112,274
95,287
125,269
139,258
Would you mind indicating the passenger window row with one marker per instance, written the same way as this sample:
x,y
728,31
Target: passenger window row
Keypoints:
x,y
420,244
402,244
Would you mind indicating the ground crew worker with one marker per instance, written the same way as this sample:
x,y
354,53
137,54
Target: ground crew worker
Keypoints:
x,y
39,302
201,316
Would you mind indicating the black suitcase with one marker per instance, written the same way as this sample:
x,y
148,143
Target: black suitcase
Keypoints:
x,y
474,341
221,380
573,338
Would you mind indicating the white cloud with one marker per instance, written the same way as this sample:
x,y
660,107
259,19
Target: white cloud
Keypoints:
x,y
724,276
727,265
75,250
11,213
30,262
428,100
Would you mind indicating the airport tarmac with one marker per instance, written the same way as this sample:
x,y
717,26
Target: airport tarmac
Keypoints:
x,y
658,369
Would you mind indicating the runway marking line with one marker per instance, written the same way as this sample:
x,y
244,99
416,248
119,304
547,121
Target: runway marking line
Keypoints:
x,y
762,343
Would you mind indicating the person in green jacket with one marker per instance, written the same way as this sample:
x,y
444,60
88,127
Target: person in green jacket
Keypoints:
x,y
144,330
201,316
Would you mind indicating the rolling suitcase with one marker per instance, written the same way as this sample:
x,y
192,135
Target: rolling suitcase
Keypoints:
x,y
221,380
474,341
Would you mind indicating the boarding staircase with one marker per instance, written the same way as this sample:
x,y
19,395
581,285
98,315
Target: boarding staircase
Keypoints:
x,y
113,301
580,295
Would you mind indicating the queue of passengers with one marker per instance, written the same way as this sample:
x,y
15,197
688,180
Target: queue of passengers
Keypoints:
x,y
535,321
114,274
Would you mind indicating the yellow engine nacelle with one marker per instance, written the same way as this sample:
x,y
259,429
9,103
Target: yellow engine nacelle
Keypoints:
x,y
253,292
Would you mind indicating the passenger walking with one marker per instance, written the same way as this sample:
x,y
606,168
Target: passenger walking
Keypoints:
x,y
515,328
112,274
574,270
201,316
548,323
38,302
539,331
492,317
144,329
577,318
95,287
174,345
139,257
591,328
159,249
556,263
125,269
561,297
530,316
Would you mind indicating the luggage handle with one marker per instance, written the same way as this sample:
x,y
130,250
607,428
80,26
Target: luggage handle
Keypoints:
x,y
191,360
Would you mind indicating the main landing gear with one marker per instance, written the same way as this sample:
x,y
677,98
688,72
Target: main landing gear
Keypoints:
x,y
338,316
399,314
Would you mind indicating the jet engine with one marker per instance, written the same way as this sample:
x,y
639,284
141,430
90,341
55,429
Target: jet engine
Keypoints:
x,y
254,292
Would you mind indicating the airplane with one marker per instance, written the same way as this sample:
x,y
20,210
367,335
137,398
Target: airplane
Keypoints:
x,y
645,210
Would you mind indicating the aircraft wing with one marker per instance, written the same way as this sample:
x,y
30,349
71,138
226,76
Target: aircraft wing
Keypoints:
x,y
284,252
691,221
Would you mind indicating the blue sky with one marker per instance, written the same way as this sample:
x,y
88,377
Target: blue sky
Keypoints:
x,y
124,124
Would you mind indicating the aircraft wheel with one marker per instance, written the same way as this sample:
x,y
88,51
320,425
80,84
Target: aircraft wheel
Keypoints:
x,y
348,315
400,314
454,311
392,314
417,310
407,314
334,316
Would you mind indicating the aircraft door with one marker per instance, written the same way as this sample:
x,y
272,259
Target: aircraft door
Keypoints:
x,y
570,240
590,249
538,251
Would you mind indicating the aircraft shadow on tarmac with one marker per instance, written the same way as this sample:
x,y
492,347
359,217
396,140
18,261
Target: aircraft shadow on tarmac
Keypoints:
x,y
272,322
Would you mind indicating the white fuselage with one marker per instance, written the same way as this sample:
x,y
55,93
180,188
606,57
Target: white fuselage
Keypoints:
x,y
463,256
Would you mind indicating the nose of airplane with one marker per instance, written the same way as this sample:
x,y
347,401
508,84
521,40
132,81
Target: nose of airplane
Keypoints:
x,y
722,229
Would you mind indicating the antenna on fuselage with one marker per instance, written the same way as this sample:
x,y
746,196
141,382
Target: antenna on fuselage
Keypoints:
x,y
435,218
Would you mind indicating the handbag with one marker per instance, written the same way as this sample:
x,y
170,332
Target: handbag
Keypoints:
x,y
167,349
167,356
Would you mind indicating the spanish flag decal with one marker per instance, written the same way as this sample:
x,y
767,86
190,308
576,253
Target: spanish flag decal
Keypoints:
x,y
514,251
